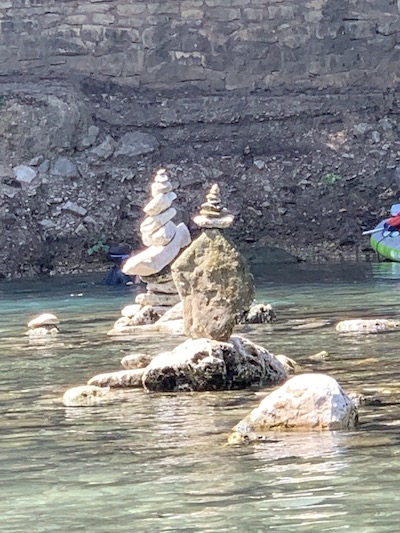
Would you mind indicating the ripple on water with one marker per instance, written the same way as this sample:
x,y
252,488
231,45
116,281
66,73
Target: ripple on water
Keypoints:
x,y
159,462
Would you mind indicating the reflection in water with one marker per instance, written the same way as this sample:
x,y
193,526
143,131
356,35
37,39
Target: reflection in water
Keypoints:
x,y
154,463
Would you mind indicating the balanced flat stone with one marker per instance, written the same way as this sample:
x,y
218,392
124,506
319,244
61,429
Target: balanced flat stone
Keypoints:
x,y
159,203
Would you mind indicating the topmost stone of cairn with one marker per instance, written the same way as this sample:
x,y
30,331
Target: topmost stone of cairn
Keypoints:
x,y
212,214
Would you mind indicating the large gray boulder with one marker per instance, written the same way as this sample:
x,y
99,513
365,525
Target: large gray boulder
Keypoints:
x,y
205,364
215,285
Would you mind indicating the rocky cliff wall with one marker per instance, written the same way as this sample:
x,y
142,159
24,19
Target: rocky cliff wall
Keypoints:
x,y
292,107
209,44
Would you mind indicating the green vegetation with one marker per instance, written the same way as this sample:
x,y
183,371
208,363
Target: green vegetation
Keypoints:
x,y
330,178
99,247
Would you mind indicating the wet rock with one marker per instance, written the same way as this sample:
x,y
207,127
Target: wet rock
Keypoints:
x,y
87,396
205,364
136,360
43,325
378,325
290,365
305,402
259,314
119,379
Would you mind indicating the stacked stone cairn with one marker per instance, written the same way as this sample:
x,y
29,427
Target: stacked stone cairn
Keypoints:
x,y
164,240
43,325
216,288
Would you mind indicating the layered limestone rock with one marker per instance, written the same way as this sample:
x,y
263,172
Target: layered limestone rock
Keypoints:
x,y
305,402
119,379
212,277
164,240
378,325
206,364
43,325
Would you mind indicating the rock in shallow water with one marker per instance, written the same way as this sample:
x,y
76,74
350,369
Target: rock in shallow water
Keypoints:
x,y
205,364
376,325
305,402
87,396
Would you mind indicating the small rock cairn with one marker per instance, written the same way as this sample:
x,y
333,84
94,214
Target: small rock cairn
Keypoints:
x,y
164,240
212,277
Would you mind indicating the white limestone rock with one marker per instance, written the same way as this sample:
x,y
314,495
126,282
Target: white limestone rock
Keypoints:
x,y
377,325
204,221
87,396
136,360
130,310
160,237
157,188
119,379
155,258
168,287
159,203
148,298
174,313
152,224
305,402
45,319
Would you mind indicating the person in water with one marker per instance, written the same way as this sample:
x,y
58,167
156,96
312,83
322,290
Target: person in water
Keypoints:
x,y
117,254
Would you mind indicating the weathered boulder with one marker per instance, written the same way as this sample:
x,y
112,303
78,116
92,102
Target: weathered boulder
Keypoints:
x,y
205,364
376,325
121,378
215,285
305,402
136,360
87,396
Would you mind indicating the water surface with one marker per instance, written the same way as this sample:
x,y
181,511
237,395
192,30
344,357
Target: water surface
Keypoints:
x,y
157,462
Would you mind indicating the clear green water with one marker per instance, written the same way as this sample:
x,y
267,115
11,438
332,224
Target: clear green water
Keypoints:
x,y
157,463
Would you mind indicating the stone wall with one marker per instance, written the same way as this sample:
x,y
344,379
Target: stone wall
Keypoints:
x,y
210,44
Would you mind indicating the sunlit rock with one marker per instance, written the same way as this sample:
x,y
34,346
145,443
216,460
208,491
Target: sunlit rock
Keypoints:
x,y
87,396
43,325
213,280
377,325
45,319
290,365
136,360
206,364
120,379
305,402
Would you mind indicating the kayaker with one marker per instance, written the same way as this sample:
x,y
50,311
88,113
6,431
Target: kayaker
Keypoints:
x,y
117,254
393,223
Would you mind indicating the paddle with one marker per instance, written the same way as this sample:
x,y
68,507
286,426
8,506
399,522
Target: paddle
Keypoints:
x,y
371,231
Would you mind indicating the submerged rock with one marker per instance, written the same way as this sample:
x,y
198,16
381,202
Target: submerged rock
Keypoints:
x,y
305,402
87,396
376,325
205,364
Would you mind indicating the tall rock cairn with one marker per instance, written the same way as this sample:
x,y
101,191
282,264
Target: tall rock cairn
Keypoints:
x,y
212,277
164,240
